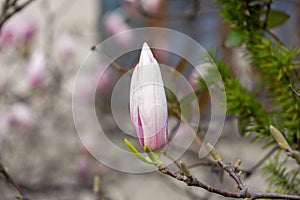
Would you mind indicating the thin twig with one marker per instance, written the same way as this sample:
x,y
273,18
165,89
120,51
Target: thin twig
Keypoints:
x,y
206,163
232,172
294,91
11,181
5,7
13,3
6,15
172,159
181,117
274,36
113,63
267,14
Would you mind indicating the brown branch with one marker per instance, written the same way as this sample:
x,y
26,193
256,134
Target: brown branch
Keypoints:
x,y
113,63
7,14
207,163
232,172
267,14
13,3
172,159
5,6
245,193
11,181
178,115
274,36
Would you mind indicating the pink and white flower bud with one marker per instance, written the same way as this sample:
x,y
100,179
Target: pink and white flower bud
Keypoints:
x,y
148,103
36,69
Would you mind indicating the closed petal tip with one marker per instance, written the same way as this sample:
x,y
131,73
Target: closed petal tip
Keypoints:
x,y
146,56
145,46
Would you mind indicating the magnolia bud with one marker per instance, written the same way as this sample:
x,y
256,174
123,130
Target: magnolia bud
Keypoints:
x,y
148,103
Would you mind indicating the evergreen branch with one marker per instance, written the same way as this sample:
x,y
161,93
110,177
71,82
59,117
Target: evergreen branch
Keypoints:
x,y
278,68
282,180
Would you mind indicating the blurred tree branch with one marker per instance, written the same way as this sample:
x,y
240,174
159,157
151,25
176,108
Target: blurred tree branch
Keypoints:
x,y
11,181
10,8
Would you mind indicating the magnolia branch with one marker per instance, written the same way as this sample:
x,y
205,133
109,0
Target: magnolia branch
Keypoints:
x,y
10,8
191,180
232,170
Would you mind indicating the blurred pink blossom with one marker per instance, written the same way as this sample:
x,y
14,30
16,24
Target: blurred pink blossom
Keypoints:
x,y
27,28
105,82
85,93
21,115
6,36
18,30
66,48
36,69
151,6
115,23
148,5
83,168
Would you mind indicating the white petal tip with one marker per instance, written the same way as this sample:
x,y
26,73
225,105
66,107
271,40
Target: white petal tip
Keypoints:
x,y
145,46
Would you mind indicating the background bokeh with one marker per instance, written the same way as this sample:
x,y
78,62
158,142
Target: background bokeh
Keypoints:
x,y
42,49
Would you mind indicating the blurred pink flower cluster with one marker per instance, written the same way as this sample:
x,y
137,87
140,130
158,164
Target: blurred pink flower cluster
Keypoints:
x,y
18,31
66,48
36,69
20,116
115,23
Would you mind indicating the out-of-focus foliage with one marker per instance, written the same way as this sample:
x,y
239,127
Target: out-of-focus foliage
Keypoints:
x,y
277,65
